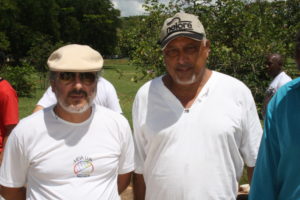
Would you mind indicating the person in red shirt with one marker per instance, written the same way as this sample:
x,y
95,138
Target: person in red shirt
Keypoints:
x,y
9,115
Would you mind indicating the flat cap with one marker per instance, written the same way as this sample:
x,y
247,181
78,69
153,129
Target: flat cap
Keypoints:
x,y
75,58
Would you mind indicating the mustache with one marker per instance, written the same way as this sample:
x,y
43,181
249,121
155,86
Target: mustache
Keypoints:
x,y
78,92
184,66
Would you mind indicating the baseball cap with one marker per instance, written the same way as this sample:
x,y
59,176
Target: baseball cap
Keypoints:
x,y
181,24
75,58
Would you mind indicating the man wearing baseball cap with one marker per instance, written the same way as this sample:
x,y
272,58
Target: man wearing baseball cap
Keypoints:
x,y
74,149
194,128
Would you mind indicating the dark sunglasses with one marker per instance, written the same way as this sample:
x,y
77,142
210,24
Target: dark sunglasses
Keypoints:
x,y
86,77
174,52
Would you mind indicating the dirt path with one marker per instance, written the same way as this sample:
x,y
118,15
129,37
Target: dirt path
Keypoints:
x,y
127,194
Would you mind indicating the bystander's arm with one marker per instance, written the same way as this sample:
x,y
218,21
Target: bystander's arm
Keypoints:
x,y
13,193
37,108
123,181
139,187
250,171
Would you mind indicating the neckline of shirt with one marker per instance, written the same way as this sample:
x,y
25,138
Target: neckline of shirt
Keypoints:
x,y
200,97
276,80
71,123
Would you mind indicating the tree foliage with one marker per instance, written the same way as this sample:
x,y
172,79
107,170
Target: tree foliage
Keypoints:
x,y
91,22
24,24
242,33
21,77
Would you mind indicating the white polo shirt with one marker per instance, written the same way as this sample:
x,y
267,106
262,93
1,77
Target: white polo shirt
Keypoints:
x,y
197,153
106,96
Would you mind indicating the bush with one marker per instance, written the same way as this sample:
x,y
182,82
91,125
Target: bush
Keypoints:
x,y
22,78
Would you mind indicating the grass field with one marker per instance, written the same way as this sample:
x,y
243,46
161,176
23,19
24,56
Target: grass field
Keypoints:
x,y
120,74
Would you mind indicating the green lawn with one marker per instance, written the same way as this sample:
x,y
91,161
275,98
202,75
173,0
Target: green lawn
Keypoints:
x,y
120,74
26,104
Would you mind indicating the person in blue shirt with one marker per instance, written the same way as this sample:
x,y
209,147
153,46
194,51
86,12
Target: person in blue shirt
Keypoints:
x,y
276,175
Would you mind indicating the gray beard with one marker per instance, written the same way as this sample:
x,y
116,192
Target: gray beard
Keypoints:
x,y
77,110
188,82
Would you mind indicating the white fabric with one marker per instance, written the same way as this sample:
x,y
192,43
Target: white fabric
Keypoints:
x,y
57,159
106,96
197,153
281,79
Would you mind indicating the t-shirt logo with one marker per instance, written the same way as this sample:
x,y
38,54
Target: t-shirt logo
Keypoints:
x,y
83,166
177,25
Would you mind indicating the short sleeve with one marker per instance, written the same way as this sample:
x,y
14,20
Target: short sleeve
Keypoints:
x,y
111,97
9,107
140,154
48,99
251,131
14,166
126,162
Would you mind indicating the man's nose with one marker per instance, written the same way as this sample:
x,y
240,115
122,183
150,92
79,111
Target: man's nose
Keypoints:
x,y
182,57
78,82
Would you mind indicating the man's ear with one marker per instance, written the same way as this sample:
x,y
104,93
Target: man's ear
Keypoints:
x,y
206,43
52,83
205,47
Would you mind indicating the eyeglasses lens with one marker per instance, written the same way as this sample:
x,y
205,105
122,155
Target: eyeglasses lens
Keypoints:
x,y
87,77
67,76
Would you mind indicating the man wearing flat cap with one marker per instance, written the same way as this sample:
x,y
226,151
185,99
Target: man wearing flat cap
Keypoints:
x,y
74,149
194,128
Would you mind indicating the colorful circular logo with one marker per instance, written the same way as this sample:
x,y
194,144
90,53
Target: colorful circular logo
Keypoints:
x,y
83,168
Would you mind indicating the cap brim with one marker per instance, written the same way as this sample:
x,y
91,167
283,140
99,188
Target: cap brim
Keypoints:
x,y
192,35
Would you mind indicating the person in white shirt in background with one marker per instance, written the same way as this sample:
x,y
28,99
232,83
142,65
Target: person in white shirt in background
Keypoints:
x,y
274,68
73,149
106,96
194,128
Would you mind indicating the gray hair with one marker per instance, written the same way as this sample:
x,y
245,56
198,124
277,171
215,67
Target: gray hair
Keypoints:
x,y
52,75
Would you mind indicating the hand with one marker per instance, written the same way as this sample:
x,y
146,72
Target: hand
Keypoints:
x,y
244,189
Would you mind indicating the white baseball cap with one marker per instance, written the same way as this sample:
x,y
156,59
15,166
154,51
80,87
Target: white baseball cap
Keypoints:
x,y
181,24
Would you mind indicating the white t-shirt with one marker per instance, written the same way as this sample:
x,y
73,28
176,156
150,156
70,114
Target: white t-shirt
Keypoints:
x,y
281,79
106,96
197,153
57,159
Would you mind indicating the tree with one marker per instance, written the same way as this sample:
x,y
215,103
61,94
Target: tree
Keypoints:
x,y
21,21
7,18
4,43
27,26
90,22
127,35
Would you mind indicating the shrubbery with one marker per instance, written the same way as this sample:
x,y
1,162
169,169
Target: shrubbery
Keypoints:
x,y
22,78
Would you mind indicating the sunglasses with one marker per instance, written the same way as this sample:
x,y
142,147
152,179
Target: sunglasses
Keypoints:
x,y
175,52
86,77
